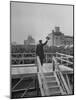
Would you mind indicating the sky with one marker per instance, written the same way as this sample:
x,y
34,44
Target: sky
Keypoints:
x,y
38,20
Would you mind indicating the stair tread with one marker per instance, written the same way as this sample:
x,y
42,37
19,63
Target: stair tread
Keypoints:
x,y
56,89
50,73
51,80
50,84
54,86
57,92
48,76
54,94
54,81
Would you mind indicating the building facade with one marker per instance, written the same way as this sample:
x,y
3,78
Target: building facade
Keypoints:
x,y
57,38
29,41
68,40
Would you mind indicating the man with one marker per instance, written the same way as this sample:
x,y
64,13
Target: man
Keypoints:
x,y
40,51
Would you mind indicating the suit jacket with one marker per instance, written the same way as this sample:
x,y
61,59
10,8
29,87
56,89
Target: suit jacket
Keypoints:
x,y
40,51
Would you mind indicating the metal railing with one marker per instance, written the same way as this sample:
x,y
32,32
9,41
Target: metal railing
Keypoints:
x,y
63,84
65,59
24,58
41,78
54,57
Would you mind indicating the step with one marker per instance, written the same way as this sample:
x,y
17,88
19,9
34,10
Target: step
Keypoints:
x,y
55,93
52,83
54,89
49,74
48,78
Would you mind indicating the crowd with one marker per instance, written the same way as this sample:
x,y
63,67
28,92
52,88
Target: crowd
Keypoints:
x,y
32,49
18,50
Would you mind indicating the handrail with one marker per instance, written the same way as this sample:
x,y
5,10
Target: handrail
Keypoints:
x,y
62,92
22,65
64,55
32,53
68,83
40,85
45,54
64,60
24,58
28,56
57,69
23,53
39,76
43,86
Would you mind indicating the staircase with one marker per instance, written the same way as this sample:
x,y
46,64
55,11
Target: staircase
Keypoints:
x,y
52,85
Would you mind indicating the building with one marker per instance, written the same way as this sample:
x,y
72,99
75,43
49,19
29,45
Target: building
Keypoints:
x,y
14,43
57,38
29,41
68,40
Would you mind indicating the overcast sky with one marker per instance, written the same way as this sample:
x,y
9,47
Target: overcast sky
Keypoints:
x,y
39,20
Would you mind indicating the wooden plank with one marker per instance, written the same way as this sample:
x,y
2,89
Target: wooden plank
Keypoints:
x,y
65,55
64,60
40,85
23,58
61,90
23,65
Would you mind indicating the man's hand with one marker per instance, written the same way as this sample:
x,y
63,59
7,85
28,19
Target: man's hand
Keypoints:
x,y
47,38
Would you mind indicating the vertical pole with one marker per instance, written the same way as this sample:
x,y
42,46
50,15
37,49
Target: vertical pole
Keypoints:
x,y
61,59
23,61
37,66
23,57
56,54
53,65
53,50
46,58
67,60
36,81
35,60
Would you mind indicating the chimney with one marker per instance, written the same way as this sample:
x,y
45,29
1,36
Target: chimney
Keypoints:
x,y
57,29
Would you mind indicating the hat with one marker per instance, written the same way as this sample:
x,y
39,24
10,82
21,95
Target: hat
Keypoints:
x,y
40,40
47,37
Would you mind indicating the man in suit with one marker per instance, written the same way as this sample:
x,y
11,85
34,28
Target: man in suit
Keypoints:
x,y
40,50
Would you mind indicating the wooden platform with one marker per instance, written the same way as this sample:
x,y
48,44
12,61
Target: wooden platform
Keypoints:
x,y
47,67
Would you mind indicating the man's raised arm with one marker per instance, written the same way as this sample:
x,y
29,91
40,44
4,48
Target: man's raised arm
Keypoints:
x,y
45,42
47,38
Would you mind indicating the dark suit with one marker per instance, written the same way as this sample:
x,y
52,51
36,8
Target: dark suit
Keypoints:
x,y
40,51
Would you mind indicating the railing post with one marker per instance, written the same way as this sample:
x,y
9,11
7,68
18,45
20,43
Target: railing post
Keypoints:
x,y
36,60
46,57
37,64
56,54
53,64
42,83
61,59
68,83
67,62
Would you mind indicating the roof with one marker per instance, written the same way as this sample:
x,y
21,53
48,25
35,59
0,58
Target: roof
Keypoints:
x,y
66,36
57,33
